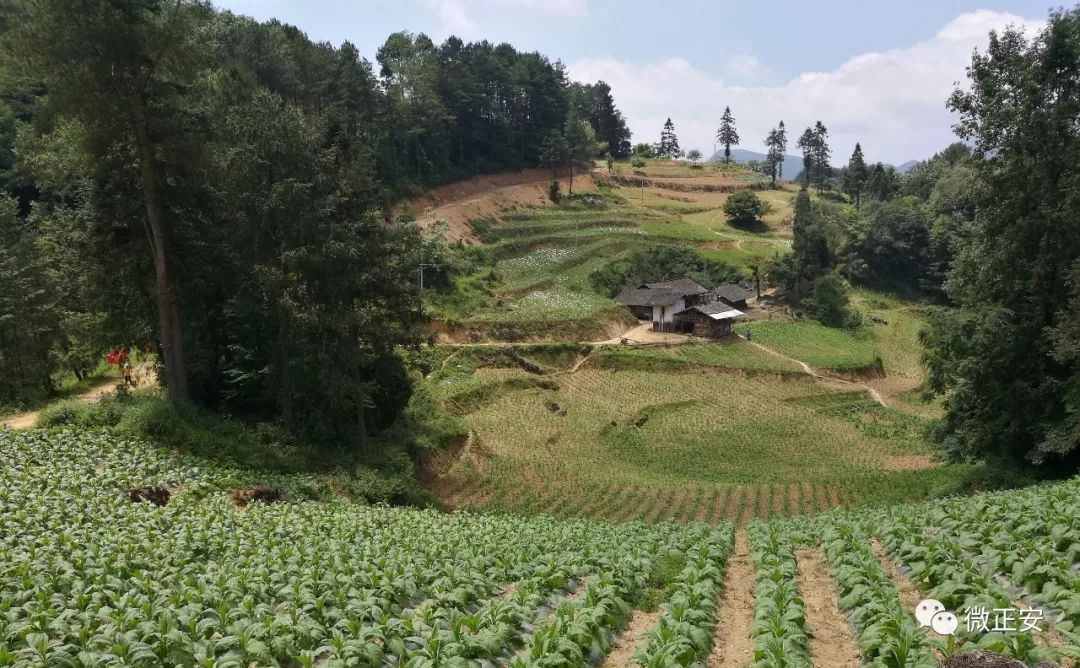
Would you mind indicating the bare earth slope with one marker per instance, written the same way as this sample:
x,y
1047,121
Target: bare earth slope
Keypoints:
x,y
485,196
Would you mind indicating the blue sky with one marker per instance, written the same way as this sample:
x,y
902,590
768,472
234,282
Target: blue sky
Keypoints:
x,y
874,72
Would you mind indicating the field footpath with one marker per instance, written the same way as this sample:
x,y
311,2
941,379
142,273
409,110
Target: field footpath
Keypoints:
x,y
874,394
28,419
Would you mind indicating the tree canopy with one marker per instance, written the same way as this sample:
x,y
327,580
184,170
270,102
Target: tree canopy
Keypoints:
x,y
224,191
1006,360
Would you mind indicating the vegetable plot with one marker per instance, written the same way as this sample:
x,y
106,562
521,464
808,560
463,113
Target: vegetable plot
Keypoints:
x,y
88,577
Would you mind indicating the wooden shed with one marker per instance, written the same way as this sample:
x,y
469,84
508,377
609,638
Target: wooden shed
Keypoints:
x,y
712,321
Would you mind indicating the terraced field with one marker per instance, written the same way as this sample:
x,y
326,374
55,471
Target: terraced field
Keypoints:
x,y
704,431
538,259
91,576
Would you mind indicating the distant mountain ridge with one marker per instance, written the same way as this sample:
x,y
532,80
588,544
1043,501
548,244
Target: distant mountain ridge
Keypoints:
x,y
906,167
792,163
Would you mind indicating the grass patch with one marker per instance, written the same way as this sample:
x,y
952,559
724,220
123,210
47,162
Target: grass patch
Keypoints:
x,y
735,354
829,348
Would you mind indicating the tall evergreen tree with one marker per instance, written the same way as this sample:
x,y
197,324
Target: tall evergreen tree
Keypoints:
x,y
781,148
822,156
855,178
669,143
727,134
806,144
776,148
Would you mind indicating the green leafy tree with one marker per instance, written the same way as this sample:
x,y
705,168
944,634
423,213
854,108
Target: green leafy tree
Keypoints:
x,y
828,303
598,106
693,155
726,134
1006,359
28,321
582,145
882,182
659,264
743,207
856,175
124,69
554,152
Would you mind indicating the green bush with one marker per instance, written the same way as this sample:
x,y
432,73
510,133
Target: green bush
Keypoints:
x,y
829,303
554,192
743,207
638,163
659,264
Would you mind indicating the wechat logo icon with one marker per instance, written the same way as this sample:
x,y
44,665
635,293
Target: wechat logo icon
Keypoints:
x,y
933,614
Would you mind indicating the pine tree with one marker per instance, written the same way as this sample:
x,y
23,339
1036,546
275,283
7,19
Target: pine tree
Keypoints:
x,y
776,145
806,143
669,143
856,175
727,135
822,155
781,147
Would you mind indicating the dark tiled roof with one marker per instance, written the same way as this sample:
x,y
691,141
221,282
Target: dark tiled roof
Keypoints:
x,y
648,297
683,285
730,292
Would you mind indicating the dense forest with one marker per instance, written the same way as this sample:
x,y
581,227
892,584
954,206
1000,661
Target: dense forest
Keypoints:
x,y
988,230
220,191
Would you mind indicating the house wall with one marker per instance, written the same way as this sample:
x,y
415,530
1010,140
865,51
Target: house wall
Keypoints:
x,y
708,328
664,316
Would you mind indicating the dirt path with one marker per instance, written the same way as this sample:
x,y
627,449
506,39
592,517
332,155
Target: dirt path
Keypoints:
x,y
832,642
732,645
28,419
809,370
627,643
642,333
905,588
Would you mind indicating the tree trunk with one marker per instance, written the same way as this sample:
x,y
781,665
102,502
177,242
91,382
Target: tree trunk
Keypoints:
x,y
172,348
571,190
285,390
361,427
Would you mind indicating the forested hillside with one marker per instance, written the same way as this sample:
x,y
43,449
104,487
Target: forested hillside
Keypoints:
x,y
217,191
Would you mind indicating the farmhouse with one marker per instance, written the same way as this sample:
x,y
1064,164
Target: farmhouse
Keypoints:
x,y
733,295
682,305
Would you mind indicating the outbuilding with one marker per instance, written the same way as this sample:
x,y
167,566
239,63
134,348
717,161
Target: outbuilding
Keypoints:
x,y
711,321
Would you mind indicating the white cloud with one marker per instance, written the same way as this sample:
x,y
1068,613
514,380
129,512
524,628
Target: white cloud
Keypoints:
x,y
569,8
454,16
457,15
891,101
745,66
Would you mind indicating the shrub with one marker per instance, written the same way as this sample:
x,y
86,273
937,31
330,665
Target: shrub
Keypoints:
x,y
554,193
829,303
658,264
744,207
638,163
